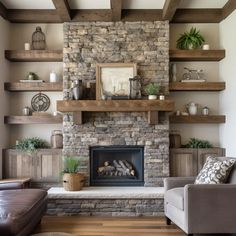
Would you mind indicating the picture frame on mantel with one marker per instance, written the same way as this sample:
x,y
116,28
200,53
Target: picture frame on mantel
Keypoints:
x,y
112,80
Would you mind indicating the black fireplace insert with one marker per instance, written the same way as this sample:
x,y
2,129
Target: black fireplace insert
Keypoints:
x,y
117,166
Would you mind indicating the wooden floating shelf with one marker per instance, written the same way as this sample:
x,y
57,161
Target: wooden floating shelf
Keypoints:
x,y
32,120
196,86
150,106
34,55
114,105
32,87
196,55
210,119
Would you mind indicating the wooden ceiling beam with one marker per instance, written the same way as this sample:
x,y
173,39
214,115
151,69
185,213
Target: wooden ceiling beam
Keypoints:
x,y
228,8
197,16
116,9
63,9
33,16
3,11
91,15
169,9
51,16
141,15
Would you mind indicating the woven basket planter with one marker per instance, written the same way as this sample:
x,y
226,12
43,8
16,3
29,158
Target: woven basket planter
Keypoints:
x,y
73,182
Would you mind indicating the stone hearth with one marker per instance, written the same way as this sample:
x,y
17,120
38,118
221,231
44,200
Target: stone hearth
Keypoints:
x,y
107,201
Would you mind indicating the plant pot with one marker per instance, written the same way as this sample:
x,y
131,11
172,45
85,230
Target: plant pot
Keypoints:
x,y
152,97
73,182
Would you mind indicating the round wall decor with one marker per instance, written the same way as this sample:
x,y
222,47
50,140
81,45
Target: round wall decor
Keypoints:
x,y
40,102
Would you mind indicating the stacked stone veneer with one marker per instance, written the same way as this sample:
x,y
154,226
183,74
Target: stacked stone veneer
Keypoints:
x,y
144,43
106,207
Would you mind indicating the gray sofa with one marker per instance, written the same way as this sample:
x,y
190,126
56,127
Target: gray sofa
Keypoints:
x,y
203,208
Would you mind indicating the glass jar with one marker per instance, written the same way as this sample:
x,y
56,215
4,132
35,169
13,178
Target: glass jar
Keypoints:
x,y
57,139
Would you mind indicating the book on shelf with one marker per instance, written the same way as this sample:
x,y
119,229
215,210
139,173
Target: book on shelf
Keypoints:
x,y
193,80
31,81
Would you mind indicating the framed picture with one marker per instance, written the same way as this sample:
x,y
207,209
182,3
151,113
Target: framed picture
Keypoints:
x,y
112,80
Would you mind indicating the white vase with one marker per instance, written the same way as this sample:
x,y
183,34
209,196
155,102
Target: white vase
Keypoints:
x,y
152,97
192,108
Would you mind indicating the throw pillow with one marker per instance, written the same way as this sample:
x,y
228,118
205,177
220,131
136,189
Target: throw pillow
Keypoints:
x,y
214,171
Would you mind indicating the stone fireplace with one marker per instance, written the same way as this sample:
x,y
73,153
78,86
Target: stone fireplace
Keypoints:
x,y
144,43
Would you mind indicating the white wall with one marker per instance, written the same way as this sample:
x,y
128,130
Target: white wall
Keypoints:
x,y
4,41
210,99
19,34
228,73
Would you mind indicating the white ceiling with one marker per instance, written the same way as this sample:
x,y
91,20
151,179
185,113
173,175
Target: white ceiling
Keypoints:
x,y
105,4
143,4
202,3
89,4
28,4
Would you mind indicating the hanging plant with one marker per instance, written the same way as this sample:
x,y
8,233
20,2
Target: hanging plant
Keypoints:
x,y
190,40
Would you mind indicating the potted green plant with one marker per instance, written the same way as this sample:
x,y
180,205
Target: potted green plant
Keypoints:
x,y
198,143
72,179
152,90
30,145
190,40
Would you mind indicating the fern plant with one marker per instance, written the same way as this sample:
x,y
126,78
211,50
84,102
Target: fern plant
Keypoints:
x,y
152,89
190,40
198,143
71,165
30,145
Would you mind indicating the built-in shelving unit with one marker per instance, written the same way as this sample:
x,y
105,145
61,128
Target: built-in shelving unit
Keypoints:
x,y
14,120
196,86
32,87
196,55
34,55
198,119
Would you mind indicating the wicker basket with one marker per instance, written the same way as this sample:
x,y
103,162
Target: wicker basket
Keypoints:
x,y
73,182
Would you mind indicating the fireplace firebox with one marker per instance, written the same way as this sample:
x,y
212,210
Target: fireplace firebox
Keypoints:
x,y
117,166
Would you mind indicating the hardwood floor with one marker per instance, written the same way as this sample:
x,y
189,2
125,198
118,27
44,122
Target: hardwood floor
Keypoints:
x,y
104,226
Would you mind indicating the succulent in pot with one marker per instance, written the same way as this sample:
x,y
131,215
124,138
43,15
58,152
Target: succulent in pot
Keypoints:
x,y
152,90
190,40
72,179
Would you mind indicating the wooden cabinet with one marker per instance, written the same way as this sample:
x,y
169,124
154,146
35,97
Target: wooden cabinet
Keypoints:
x,y
43,166
189,161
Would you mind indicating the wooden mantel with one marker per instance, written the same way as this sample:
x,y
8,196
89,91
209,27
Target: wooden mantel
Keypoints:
x,y
150,106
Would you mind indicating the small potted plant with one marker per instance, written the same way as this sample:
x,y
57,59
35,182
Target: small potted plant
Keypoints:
x,y
72,180
198,143
30,145
190,40
152,90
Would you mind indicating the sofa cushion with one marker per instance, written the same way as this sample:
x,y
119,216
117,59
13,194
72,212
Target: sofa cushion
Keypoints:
x,y
215,171
19,208
175,197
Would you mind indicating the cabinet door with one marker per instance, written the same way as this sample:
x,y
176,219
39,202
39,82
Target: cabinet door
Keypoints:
x,y
183,162
17,165
43,166
51,167
203,153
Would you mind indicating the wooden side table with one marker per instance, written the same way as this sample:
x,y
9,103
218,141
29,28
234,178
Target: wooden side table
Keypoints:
x,y
24,181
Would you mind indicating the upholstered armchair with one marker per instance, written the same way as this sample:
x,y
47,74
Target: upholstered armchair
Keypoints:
x,y
201,208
